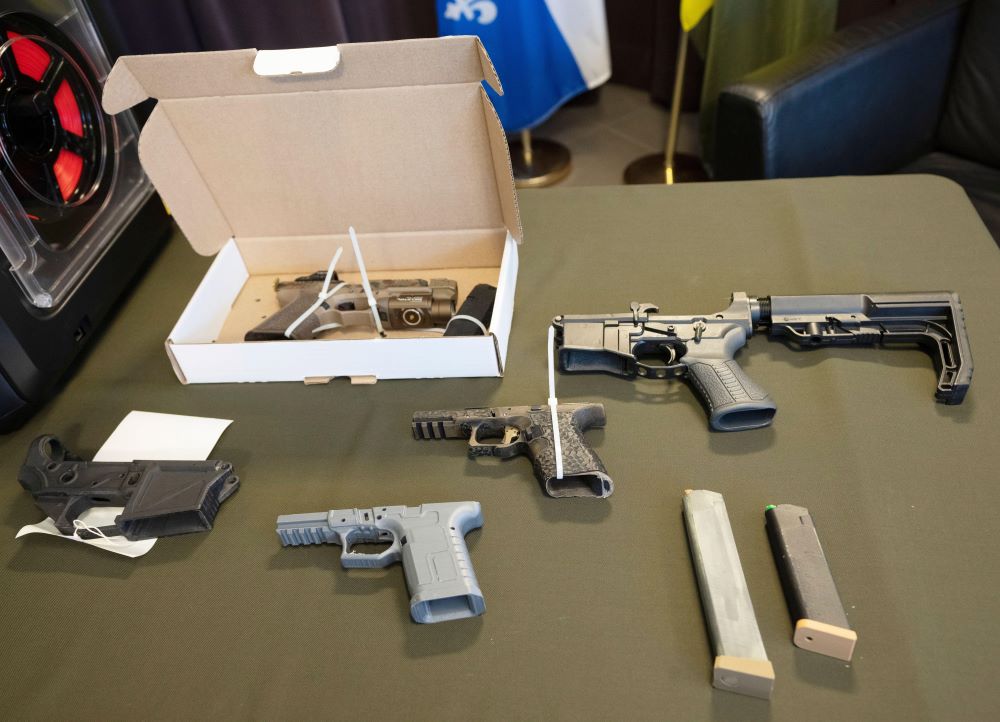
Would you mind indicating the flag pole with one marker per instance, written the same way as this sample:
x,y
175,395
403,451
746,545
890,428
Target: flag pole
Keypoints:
x,y
675,110
538,162
669,167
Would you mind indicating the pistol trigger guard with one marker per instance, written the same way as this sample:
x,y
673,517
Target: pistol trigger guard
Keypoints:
x,y
389,555
349,558
504,449
670,371
672,352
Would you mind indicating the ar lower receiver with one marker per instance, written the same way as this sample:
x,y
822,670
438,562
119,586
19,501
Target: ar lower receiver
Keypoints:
x,y
508,431
701,347
429,539
402,304
161,498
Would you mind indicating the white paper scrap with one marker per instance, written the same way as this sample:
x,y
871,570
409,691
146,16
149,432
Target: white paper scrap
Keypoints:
x,y
142,435
164,437
96,517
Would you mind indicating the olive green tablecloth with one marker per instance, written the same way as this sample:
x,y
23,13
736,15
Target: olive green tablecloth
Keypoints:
x,y
592,608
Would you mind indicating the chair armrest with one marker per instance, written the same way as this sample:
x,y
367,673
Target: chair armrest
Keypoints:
x,y
866,100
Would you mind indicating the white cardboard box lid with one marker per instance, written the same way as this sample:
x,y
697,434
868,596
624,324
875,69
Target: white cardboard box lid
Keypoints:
x,y
398,137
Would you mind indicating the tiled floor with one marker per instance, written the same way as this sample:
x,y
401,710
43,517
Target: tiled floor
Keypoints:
x,y
605,137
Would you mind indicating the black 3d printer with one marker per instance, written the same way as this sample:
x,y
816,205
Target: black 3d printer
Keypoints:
x,y
78,217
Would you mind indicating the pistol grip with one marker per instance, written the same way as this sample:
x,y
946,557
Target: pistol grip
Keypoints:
x,y
583,471
438,568
273,327
733,401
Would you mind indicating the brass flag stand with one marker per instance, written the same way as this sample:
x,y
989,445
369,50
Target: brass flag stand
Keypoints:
x,y
669,167
538,162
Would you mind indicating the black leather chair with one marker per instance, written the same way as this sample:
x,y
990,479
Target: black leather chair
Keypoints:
x,y
914,90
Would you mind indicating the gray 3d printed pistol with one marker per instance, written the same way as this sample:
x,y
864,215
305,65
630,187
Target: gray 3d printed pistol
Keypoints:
x,y
701,347
161,498
507,431
402,304
429,539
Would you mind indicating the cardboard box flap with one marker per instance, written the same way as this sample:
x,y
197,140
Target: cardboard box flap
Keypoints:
x,y
398,137
426,61
503,170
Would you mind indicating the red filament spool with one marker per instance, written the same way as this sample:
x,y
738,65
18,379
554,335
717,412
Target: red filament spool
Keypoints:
x,y
52,129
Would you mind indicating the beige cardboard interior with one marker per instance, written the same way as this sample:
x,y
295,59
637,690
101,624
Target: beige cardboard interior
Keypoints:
x,y
466,257
309,163
257,300
399,138
381,251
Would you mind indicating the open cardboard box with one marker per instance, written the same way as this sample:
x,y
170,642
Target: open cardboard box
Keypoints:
x,y
265,158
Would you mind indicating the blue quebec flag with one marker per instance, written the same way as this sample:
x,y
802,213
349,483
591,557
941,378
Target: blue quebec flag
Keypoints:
x,y
546,51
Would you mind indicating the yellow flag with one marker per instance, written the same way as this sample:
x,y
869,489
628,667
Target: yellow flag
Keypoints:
x,y
692,11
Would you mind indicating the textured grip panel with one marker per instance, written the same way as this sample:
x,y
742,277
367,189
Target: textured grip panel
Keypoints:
x,y
273,327
437,565
733,401
583,471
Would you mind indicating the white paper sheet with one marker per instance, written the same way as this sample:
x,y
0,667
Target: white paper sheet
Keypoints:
x,y
140,436
164,437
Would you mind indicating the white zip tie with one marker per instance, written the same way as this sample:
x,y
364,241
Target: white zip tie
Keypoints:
x,y
463,317
553,403
79,526
321,297
320,300
364,282
327,327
